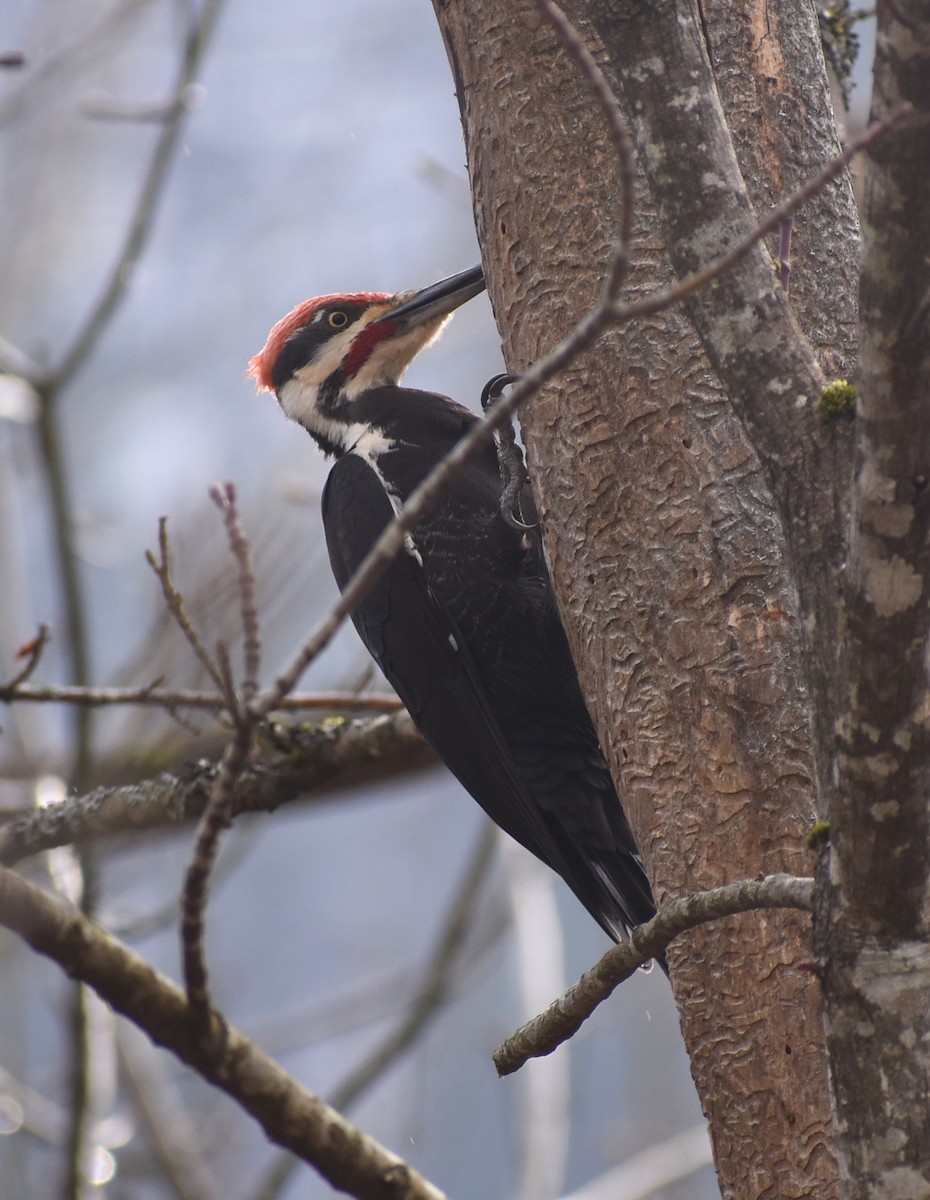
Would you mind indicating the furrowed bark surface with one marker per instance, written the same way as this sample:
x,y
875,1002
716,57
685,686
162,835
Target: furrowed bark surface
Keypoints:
x,y
872,933
663,71
670,567
775,99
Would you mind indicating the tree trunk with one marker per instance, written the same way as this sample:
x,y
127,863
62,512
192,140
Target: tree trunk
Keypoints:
x,y
873,922
670,566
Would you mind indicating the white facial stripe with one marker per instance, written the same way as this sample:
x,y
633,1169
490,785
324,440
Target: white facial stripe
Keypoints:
x,y
299,397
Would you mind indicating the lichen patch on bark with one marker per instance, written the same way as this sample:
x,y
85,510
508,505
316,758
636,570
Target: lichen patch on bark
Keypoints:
x,y
891,585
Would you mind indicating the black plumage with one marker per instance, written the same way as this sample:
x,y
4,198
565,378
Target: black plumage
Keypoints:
x,y
465,627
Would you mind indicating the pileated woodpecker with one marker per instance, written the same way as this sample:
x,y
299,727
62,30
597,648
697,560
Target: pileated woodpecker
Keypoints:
x,y
464,624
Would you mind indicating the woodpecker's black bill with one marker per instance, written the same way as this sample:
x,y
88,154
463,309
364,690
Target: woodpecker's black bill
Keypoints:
x,y
438,299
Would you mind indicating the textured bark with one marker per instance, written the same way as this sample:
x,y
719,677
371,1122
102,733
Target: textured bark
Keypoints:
x,y
663,69
671,569
771,88
873,927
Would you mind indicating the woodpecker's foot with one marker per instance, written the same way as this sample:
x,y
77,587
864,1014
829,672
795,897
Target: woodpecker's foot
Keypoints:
x,y
509,455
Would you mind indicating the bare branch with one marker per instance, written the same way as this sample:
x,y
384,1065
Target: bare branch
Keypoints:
x,y
698,280
217,816
198,38
307,759
565,1016
195,892
175,603
225,499
290,1115
152,696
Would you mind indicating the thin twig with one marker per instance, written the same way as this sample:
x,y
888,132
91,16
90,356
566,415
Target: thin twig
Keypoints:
x,y
700,279
175,602
215,820
217,816
198,37
31,651
565,1016
225,499
153,696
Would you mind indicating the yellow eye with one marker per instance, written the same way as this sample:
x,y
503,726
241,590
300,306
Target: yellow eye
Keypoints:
x,y
338,319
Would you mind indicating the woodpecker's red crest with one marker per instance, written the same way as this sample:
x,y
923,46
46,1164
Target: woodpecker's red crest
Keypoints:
x,y
261,365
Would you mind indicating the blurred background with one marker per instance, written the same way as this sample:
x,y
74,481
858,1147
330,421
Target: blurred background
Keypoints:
x,y
319,150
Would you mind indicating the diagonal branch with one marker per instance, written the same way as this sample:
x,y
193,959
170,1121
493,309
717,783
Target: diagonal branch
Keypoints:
x,y
225,499
565,1016
290,1114
195,46
217,815
175,603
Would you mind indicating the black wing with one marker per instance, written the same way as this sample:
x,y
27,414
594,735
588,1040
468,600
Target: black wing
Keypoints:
x,y
417,644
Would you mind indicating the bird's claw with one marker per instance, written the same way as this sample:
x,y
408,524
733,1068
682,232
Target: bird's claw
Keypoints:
x,y
509,456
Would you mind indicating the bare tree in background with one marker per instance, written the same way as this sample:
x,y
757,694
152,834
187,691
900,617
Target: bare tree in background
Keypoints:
x,y
743,578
